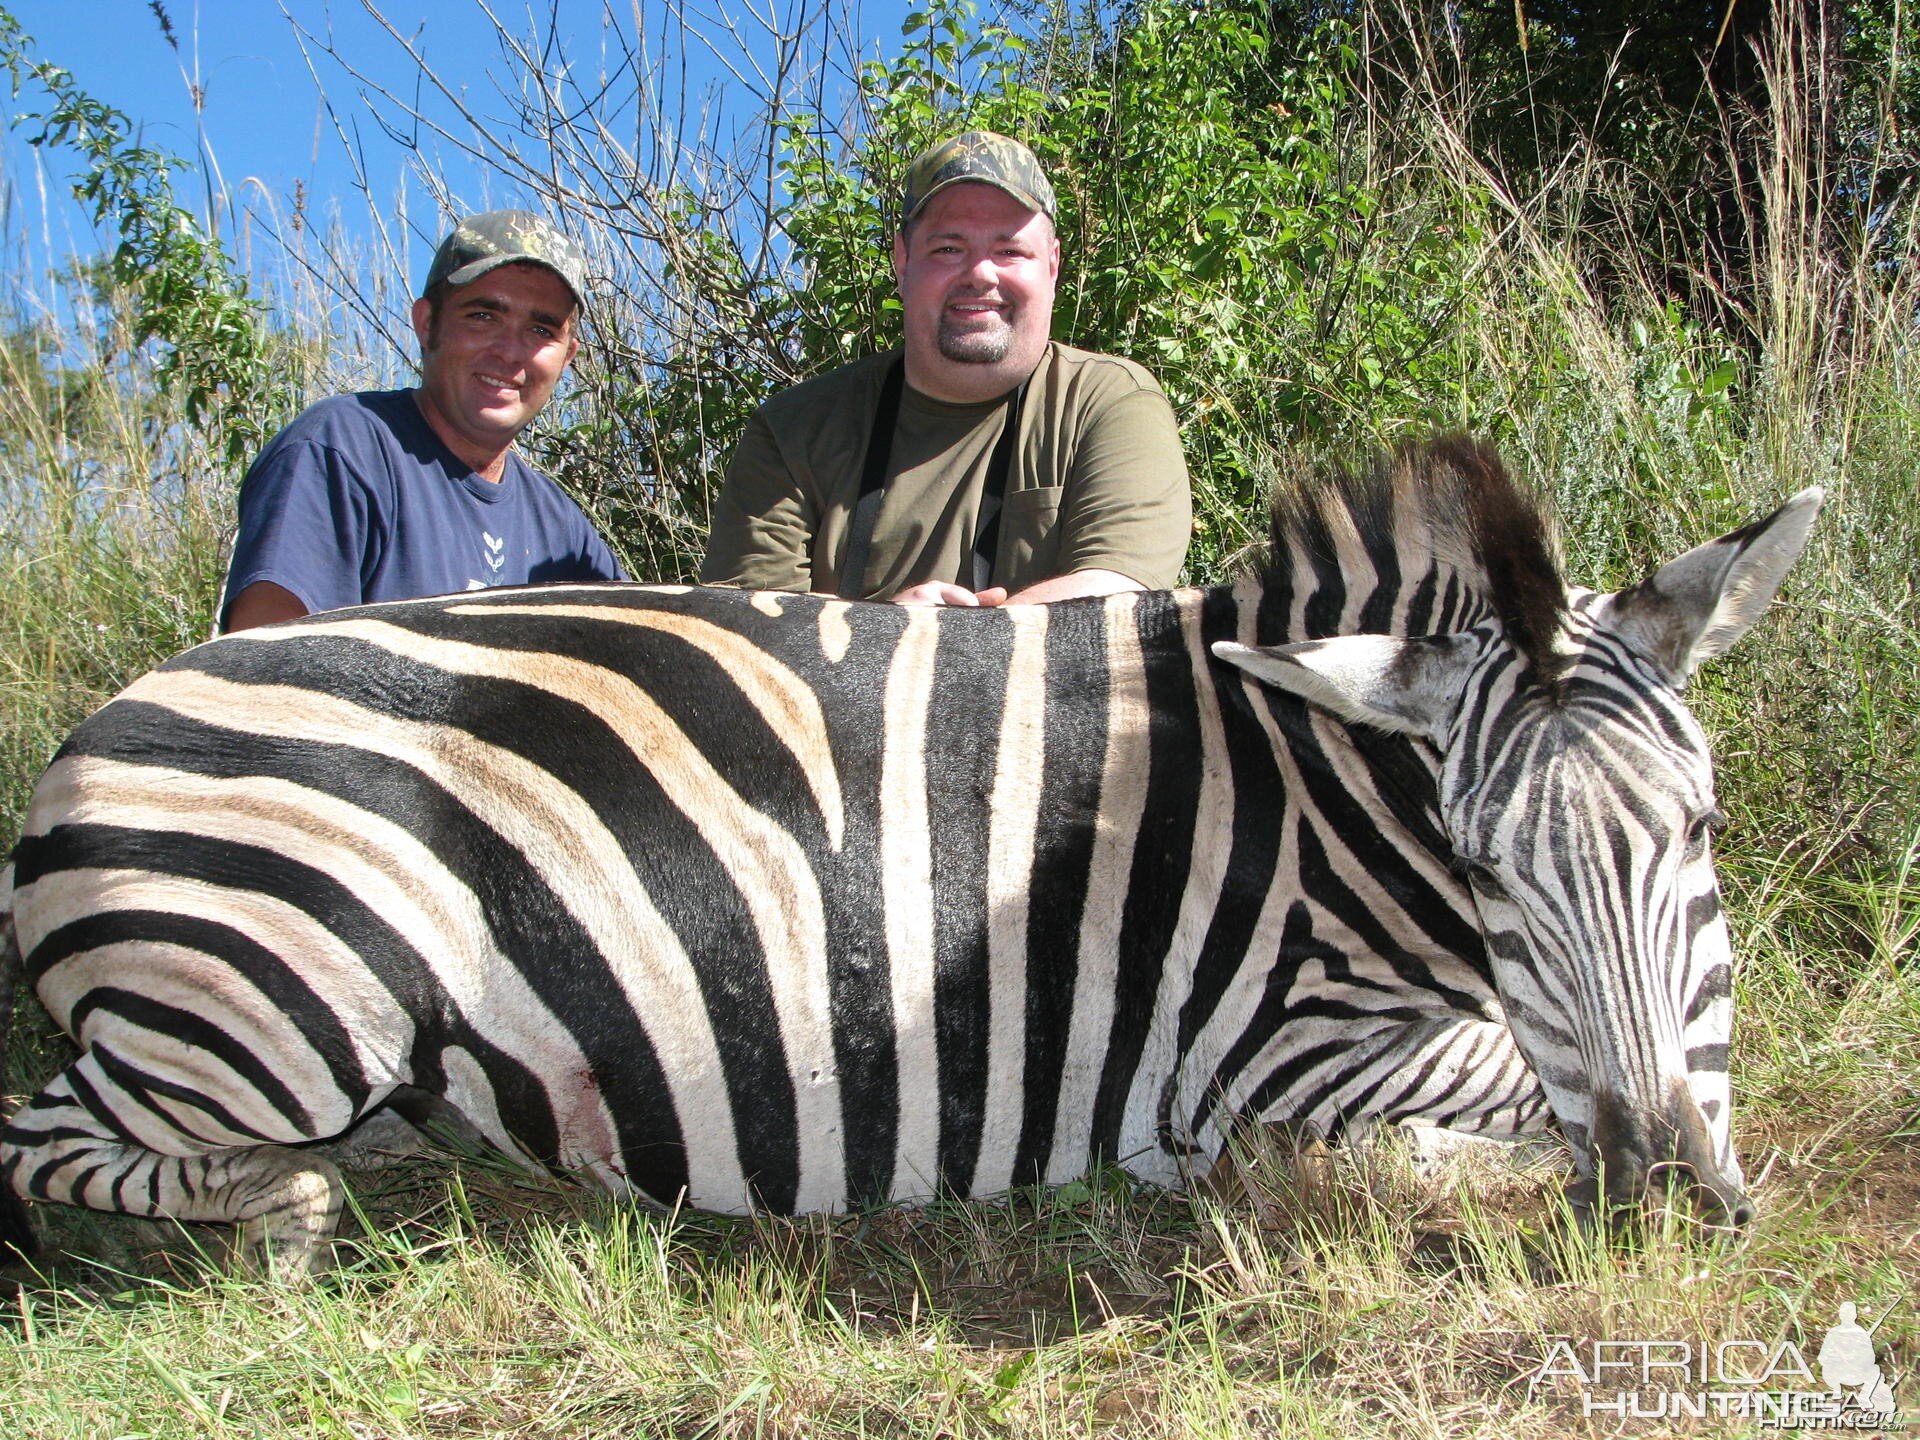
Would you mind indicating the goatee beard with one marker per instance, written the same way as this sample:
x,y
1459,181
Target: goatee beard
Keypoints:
x,y
974,347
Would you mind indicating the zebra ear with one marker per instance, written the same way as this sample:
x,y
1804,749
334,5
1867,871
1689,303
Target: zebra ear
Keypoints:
x,y
1409,686
1693,608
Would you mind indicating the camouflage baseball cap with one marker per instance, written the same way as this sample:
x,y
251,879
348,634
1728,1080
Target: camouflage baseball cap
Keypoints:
x,y
983,156
481,243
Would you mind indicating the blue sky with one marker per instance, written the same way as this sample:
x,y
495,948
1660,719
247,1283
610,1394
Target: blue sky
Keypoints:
x,y
265,138
262,128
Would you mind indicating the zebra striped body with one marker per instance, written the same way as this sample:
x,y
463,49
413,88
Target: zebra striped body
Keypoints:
x,y
776,901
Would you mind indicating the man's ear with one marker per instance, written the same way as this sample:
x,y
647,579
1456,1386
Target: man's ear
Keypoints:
x,y
899,257
423,321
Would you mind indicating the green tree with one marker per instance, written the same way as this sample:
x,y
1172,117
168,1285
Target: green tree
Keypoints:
x,y
218,354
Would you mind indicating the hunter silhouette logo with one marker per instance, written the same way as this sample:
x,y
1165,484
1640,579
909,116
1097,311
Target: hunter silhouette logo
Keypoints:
x,y
1847,1363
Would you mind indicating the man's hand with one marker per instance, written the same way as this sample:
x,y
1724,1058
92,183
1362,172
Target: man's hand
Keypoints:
x,y
1061,587
939,592
1074,584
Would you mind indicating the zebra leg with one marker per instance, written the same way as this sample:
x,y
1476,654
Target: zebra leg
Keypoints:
x,y
286,1203
1462,1075
1432,1149
411,1123
384,1139
1459,1072
1463,1092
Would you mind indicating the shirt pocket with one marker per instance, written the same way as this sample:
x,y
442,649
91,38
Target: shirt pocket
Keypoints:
x,y
1029,546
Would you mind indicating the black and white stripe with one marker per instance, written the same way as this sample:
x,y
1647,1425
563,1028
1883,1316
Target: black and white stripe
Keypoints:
x,y
776,901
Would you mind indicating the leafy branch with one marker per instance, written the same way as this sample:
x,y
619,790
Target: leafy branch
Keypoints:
x,y
188,297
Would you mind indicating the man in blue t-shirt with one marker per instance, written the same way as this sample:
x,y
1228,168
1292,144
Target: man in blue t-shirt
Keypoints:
x,y
392,494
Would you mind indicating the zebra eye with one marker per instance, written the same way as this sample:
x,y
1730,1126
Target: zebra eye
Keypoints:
x,y
1476,874
1704,825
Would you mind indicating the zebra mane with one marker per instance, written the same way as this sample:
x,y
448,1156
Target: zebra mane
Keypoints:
x,y
1435,537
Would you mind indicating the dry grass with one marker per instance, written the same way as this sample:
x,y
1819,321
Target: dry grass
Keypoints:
x,y
1322,1294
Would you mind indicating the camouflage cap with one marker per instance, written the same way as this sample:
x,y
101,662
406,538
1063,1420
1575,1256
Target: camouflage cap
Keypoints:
x,y
983,156
485,242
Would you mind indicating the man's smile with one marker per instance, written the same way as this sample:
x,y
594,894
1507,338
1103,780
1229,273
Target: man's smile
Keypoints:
x,y
978,307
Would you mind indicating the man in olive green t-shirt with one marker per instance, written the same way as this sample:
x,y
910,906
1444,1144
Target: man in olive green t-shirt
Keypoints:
x,y
983,463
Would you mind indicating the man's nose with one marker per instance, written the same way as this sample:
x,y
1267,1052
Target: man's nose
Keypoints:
x,y
517,343
982,270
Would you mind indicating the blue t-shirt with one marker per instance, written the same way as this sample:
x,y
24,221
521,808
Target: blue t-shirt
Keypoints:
x,y
358,501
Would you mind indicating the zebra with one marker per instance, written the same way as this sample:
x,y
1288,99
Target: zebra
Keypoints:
x,y
767,902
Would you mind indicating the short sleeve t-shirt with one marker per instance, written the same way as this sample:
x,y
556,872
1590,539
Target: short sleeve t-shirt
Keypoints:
x,y
1097,481
358,500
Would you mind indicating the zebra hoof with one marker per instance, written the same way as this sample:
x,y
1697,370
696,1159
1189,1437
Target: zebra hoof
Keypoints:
x,y
287,1230
1596,1212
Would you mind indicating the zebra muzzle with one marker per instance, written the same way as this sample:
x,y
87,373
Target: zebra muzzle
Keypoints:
x,y
1642,1155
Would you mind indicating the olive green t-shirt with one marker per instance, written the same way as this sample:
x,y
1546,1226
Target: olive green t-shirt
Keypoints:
x,y
1097,482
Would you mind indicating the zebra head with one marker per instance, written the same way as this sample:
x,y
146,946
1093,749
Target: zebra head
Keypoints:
x,y
1576,790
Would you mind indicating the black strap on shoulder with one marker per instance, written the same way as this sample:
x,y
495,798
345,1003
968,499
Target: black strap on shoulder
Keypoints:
x,y
873,479
986,534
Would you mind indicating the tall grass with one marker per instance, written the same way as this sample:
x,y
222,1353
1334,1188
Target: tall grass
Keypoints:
x,y
109,532
1302,1295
